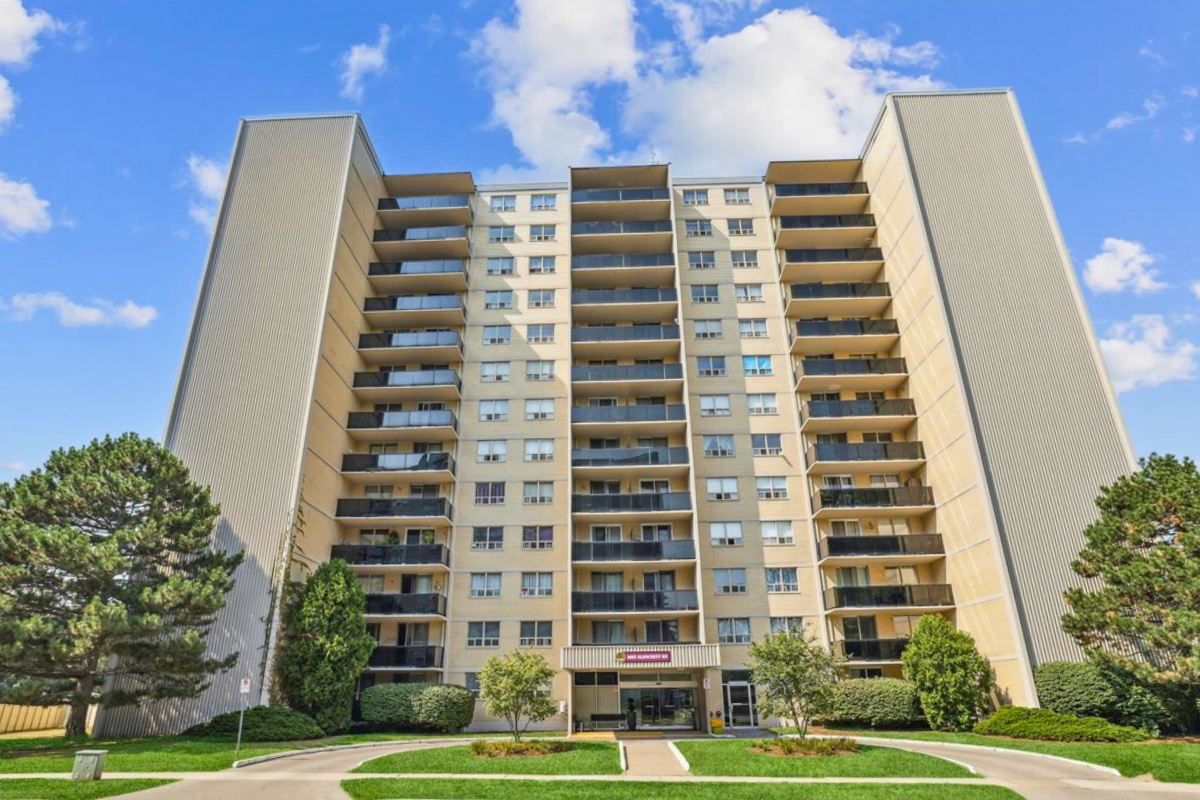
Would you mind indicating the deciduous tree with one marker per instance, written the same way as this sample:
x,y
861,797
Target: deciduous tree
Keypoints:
x,y
793,676
953,681
516,687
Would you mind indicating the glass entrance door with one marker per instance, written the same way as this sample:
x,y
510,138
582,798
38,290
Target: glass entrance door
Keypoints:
x,y
739,705
662,708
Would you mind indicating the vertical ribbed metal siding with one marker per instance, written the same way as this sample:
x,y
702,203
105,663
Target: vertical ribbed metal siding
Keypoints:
x,y
26,719
242,404
1047,425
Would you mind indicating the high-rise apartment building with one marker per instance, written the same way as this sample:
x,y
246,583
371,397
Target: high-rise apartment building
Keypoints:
x,y
635,421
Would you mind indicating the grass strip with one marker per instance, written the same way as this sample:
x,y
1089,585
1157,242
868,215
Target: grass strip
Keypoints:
x,y
736,758
585,758
62,789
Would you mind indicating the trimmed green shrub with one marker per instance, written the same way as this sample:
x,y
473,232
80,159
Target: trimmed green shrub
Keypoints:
x,y
444,707
262,724
1085,689
804,747
485,748
391,703
1046,725
953,681
878,702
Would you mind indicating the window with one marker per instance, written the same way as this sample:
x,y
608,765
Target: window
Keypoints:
x,y
541,233
539,409
778,532
489,494
493,411
502,233
471,682
537,584
536,634
718,446
485,584
766,444
761,404
714,405
541,265
662,630
710,366
539,449
845,527
903,625
537,537
538,493
749,292
539,370
497,334
543,202
782,579
695,197
491,450
541,298
489,538
500,266
733,631
498,299
693,228
539,334
737,197
793,626
483,634
757,365
708,329
774,488
493,371
885,481
504,202
725,534
900,576
721,489
741,227
752,328
703,259
730,581
744,259
705,293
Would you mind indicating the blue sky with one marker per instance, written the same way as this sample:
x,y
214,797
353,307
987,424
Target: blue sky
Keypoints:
x,y
116,119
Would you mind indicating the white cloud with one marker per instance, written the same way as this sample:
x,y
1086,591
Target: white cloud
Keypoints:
x,y
206,176
22,307
1121,265
364,59
1151,106
19,32
13,465
1196,289
1190,92
21,210
1147,51
1140,353
1189,135
1079,137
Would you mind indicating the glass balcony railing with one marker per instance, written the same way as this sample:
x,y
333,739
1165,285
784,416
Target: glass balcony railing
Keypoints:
x,y
619,195
367,341
627,333
399,603
833,409
873,497
865,451
433,266
674,550
630,503
581,297
380,507
623,260
647,413
838,291
850,366
615,227
847,327
407,379
421,203
397,462
869,649
629,457
370,420
827,221
373,555
421,302
627,372
617,602
930,594
419,656
818,189
421,234
913,544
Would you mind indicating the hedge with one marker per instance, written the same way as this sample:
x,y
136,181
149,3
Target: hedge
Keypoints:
x,y
877,702
262,724
391,703
1085,689
441,707
1046,725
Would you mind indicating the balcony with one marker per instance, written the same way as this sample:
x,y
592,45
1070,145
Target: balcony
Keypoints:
x,y
433,275
647,602
837,374
394,657
913,548
643,269
897,501
420,347
398,467
815,300
824,416
636,379
416,311
816,336
824,231
650,203
873,651
624,305
380,512
820,198
662,506
643,341
412,384
405,605
392,426
426,210
647,420
634,552
621,236
841,458
932,596
421,243
392,555
833,264
632,462
657,657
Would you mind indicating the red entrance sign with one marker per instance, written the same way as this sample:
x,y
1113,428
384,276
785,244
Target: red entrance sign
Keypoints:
x,y
645,656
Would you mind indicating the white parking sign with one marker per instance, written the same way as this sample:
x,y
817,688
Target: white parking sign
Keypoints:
x,y
245,686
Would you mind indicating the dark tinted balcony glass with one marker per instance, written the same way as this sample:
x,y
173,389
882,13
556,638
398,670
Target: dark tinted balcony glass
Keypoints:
x,y
628,372
618,503
396,462
866,451
384,604
360,420
869,649
852,366
419,656
628,333
391,554
828,221
824,409
623,260
629,226
619,195
418,339
932,594
590,296
847,327
370,507
911,545
679,549
838,291
900,496
827,255
629,457
439,266
583,602
408,378
419,203
818,189
663,413
421,234
421,302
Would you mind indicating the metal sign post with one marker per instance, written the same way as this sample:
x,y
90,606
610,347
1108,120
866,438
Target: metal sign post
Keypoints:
x,y
245,692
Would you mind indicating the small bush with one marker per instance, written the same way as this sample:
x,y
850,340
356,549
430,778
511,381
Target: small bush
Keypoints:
x,y
804,747
1046,725
504,748
391,703
262,724
444,707
1085,689
877,702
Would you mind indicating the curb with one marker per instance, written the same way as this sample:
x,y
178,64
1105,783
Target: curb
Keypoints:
x,y
624,758
1002,750
679,756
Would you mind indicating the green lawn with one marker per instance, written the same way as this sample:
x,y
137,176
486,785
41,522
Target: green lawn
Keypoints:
x,y
585,758
51,789
736,758
474,789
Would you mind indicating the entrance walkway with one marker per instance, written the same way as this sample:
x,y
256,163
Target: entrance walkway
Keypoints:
x,y
651,758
